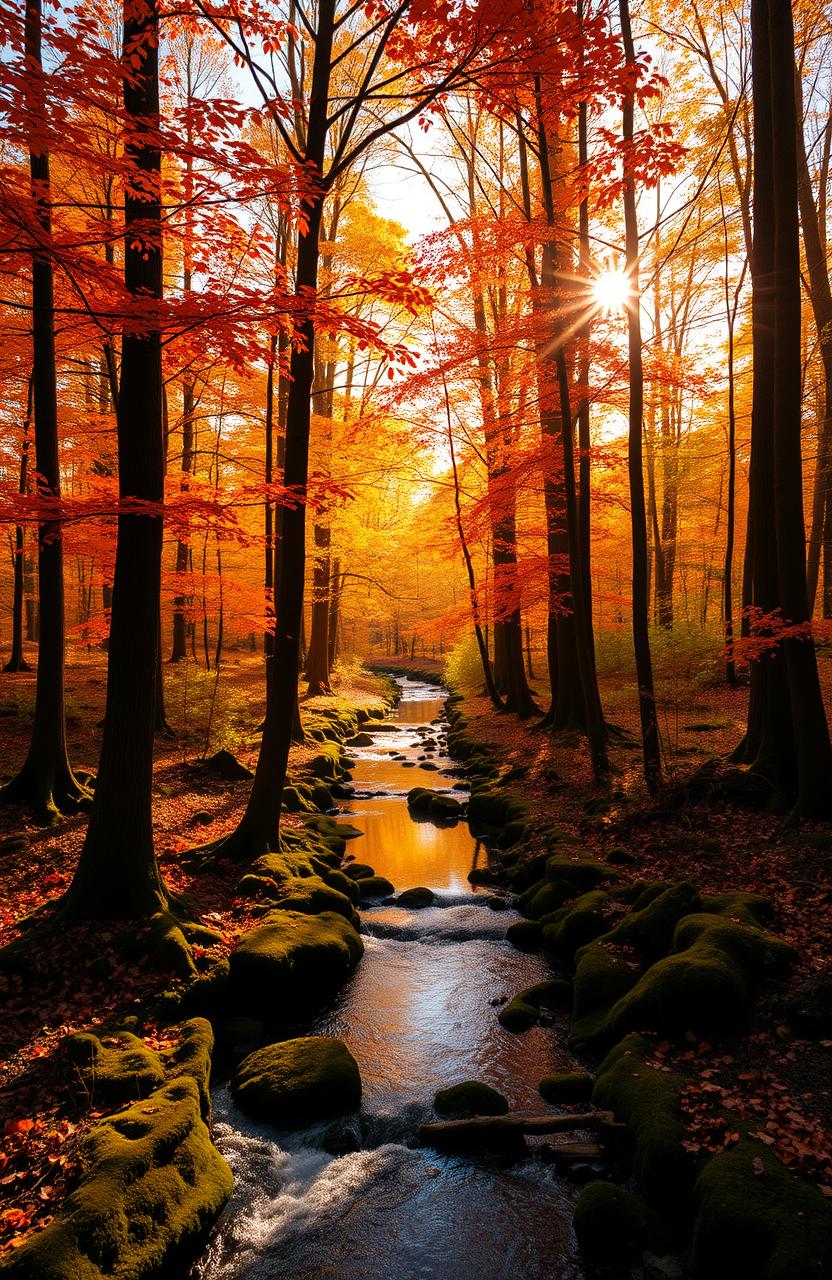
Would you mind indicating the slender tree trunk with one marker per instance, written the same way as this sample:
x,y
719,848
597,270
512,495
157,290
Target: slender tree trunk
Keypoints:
x,y
641,634
17,661
259,827
46,782
117,875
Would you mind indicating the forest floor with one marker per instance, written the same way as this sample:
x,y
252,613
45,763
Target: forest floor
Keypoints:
x,y
784,1078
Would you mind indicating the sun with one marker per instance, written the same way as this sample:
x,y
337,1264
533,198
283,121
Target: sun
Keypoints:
x,y
611,291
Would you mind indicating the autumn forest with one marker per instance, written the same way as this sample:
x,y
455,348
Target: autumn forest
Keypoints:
x,y
415,610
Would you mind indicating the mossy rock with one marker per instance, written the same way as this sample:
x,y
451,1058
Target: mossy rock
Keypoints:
x,y
525,935
602,977
321,796
311,895
358,871
575,925
206,995
360,740
707,984
114,1069
375,887
527,872
445,807
153,1184
298,799
513,834
419,798
618,856
416,899
298,1082
746,908
326,766
524,1010
494,808
544,898
647,1100
579,874
610,1223
649,930
470,1098
568,1087
754,1218
290,961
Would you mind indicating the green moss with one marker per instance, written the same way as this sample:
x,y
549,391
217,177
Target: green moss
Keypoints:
x,y
525,935
375,887
754,1218
528,872
326,765
649,929
493,808
569,1086
114,1069
321,797
153,1185
618,856
610,1223
647,1101
298,799
471,1098
290,962
544,898
311,896
524,1010
298,1082
579,874
748,908
601,978
577,924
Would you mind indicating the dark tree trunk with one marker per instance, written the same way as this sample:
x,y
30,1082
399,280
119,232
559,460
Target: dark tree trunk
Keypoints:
x,y
335,611
46,782
182,600
641,636
259,827
117,875
317,657
16,661
811,732
768,745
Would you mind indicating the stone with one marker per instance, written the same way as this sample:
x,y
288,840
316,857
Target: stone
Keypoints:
x,y
298,1082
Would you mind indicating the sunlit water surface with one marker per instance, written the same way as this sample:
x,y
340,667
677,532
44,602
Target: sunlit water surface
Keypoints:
x,y
418,1015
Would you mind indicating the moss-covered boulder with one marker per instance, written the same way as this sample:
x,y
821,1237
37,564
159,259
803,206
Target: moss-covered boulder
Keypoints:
x,y
470,1098
297,798
298,1082
312,896
568,1087
416,899
707,983
610,1223
525,935
152,1186
445,807
555,994
577,924
374,887
602,977
290,962
358,871
114,1069
648,930
754,1218
419,798
647,1100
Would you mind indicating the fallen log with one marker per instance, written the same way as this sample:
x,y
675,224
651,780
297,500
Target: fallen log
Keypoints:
x,y
511,1129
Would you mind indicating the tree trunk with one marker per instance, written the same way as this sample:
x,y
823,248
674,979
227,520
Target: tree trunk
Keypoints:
x,y
260,825
811,732
641,635
16,661
46,782
117,875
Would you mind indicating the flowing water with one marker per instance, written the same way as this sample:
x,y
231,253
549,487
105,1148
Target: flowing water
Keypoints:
x,y
420,1014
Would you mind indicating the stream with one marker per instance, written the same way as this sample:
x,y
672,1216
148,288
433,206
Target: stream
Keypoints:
x,y
418,1015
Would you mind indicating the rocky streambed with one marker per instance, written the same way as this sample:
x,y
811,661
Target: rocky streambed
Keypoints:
x,y
363,1196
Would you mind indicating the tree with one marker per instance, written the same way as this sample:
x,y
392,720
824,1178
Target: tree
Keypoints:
x,y
46,782
117,874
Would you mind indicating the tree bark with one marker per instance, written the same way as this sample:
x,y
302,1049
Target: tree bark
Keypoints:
x,y
17,661
117,875
641,635
45,783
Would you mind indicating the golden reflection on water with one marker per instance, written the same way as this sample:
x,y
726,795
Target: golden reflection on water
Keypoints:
x,y
412,853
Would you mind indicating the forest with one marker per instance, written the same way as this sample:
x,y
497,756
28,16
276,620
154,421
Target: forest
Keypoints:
x,y
415,625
